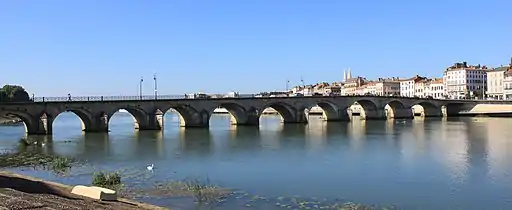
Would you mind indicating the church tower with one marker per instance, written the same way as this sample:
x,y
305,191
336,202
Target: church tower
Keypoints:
x,y
344,75
349,74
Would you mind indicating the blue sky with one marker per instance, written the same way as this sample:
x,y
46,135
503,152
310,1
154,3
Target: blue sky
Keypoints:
x,y
97,47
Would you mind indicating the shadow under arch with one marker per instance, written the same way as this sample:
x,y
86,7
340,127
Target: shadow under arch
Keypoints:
x,y
369,110
149,134
330,112
185,114
96,146
283,109
429,109
149,142
196,142
336,128
293,136
244,132
235,110
245,139
454,109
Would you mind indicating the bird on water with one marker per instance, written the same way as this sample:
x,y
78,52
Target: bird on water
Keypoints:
x,y
150,168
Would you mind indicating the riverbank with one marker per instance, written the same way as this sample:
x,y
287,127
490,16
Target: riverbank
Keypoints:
x,y
24,192
8,120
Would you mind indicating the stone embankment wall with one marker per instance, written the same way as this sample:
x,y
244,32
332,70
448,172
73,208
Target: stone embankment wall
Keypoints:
x,y
8,120
491,108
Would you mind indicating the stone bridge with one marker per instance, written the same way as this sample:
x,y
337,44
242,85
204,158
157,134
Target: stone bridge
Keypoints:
x,y
148,114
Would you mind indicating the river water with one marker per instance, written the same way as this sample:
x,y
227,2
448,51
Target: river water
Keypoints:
x,y
461,163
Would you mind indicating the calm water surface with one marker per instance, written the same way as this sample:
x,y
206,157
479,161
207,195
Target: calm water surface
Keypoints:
x,y
421,164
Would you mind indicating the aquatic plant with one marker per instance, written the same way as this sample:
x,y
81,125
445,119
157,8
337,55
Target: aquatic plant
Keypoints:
x,y
203,192
110,180
55,163
60,164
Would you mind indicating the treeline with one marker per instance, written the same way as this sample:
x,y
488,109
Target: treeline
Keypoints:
x,y
13,93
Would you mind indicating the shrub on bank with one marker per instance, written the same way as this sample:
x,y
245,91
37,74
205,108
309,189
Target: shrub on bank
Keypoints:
x,y
110,180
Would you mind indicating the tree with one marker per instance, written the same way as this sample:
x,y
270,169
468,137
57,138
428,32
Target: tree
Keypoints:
x,y
13,93
3,96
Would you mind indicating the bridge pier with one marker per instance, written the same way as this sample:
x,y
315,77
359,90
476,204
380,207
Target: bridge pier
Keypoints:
x,y
151,122
444,111
432,113
196,120
341,115
297,117
249,118
38,125
98,124
373,114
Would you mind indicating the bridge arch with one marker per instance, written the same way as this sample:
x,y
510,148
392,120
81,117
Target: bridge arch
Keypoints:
x,y
370,110
188,116
32,124
285,110
239,114
84,116
330,111
395,109
140,116
428,109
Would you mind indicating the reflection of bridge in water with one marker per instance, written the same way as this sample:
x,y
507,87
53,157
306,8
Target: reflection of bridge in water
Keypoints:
x,y
414,138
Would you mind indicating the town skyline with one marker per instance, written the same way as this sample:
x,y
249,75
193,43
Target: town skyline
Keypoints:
x,y
461,80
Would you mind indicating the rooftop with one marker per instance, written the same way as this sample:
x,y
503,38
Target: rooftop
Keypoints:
x,y
464,65
415,78
436,81
501,68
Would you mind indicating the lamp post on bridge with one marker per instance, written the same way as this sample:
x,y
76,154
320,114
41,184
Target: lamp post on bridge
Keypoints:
x,y
140,87
287,87
156,89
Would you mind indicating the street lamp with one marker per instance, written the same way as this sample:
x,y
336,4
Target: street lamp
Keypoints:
x,y
156,89
140,87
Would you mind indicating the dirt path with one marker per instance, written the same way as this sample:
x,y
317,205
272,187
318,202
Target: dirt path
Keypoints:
x,y
22,192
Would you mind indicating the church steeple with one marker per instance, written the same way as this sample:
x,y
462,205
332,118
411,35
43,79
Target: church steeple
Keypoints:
x,y
349,74
344,75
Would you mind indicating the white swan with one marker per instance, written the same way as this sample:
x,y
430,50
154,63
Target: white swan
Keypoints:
x,y
150,168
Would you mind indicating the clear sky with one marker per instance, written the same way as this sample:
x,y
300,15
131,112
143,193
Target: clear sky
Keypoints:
x,y
103,47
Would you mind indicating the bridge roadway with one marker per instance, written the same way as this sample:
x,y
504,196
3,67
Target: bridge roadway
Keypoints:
x,y
95,112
